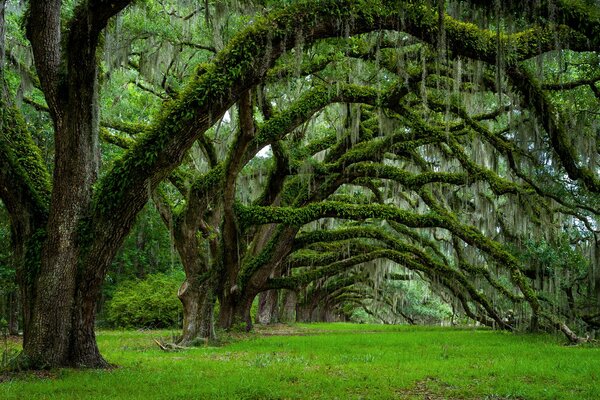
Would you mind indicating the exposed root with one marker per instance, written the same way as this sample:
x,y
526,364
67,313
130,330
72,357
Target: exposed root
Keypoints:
x,y
164,346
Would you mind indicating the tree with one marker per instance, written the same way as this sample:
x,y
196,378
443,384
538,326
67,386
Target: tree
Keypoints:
x,y
256,257
68,228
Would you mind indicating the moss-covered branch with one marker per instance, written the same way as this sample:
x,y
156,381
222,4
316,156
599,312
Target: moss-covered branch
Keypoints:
x,y
577,14
301,280
297,216
475,238
552,122
25,181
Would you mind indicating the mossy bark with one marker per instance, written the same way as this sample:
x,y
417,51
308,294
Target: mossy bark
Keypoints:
x,y
61,331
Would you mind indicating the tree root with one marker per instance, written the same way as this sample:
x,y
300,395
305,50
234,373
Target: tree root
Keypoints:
x,y
164,346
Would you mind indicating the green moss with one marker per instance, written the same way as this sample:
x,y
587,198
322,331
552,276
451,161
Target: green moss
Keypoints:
x,y
209,182
130,128
253,264
407,179
297,216
119,141
552,122
245,61
240,65
309,103
325,141
301,280
474,237
24,158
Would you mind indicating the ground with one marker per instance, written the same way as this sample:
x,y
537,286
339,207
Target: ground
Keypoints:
x,y
330,361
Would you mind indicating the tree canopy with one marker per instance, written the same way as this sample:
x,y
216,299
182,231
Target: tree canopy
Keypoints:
x,y
337,150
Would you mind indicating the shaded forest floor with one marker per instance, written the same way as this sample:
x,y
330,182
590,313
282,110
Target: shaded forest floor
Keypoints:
x,y
330,361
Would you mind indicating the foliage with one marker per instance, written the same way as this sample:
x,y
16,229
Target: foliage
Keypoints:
x,y
147,249
8,353
8,287
7,272
554,259
448,134
148,303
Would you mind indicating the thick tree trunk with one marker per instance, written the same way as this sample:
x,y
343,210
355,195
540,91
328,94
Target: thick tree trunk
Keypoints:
x,y
197,292
303,313
332,314
307,310
57,333
288,308
268,307
84,349
61,331
198,309
234,312
62,323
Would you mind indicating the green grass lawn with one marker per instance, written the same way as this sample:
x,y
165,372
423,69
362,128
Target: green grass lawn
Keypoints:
x,y
332,361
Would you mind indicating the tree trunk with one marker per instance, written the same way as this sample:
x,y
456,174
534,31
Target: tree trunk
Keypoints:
x,y
13,313
198,309
197,292
84,349
303,313
234,312
329,315
268,307
25,259
288,308
61,330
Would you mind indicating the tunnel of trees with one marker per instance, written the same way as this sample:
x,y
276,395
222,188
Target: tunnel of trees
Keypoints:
x,y
322,159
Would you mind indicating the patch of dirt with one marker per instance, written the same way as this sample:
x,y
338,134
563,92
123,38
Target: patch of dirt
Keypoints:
x,y
431,388
15,339
287,330
279,330
427,389
11,341
43,374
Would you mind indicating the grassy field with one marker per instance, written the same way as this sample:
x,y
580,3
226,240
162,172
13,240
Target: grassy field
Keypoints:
x,y
332,361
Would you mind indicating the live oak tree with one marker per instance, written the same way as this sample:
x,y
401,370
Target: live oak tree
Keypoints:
x,y
68,221
210,266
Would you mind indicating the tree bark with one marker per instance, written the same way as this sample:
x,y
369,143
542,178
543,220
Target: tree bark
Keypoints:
x,y
268,307
197,292
303,313
235,310
198,312
61,332
288,308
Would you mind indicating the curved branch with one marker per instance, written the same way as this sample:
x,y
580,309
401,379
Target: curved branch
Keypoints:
x,y
550,118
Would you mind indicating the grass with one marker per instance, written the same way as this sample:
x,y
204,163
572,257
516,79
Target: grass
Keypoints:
x,y
332,361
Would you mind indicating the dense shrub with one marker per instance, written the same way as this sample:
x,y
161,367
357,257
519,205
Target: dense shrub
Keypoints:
x,y
148,303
